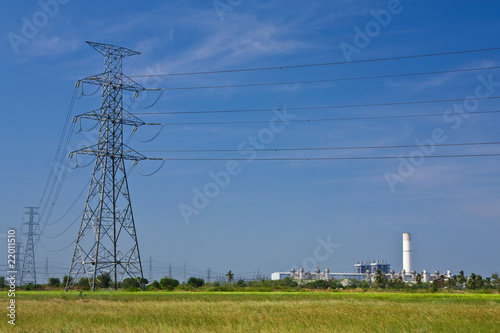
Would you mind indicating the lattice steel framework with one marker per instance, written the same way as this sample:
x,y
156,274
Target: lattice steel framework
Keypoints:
x,y
28,271
107,241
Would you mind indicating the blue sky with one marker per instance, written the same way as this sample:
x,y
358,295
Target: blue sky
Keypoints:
x,y
272,215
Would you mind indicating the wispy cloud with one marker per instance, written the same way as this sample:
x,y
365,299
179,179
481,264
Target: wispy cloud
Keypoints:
x,y
441,80
237,44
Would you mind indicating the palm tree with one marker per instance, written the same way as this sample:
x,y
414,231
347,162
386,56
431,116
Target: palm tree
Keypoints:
x,y
479,282
461,278
471,281
379,278
230,276
452,282
399,280
495,280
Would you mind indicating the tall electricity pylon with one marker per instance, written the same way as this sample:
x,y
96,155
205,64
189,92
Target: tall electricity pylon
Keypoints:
x,y
19,255
28,272
46,273
107,242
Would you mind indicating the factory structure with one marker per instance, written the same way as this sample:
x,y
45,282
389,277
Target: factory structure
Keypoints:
x,y
366,270
301,274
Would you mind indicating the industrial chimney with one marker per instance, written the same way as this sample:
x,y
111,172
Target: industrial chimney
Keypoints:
x,y
407,252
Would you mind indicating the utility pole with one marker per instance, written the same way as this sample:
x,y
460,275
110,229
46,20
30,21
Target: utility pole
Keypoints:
x,y
28,272
170,270
107,240
208,274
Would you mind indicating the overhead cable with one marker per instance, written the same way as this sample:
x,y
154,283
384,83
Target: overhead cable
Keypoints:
x,y
322,64
324,81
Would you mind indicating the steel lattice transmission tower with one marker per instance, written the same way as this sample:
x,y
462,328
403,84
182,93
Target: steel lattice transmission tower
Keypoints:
x,y
28,271
107,240
46,273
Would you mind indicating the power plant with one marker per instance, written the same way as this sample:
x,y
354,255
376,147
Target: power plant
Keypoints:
x,y
366,270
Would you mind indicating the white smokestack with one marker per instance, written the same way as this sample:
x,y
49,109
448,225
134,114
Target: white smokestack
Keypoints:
x,y
407,252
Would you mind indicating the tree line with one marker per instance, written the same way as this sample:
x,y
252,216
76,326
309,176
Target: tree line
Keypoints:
x,y
380,282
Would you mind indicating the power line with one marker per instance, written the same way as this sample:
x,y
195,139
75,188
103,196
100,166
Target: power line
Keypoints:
x,y
320,107
326,119
65,230
59,154
323,148
321,158
59,250
326,80
322,64
72,205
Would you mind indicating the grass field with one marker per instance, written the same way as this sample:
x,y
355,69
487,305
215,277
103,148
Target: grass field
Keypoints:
x,y
107,311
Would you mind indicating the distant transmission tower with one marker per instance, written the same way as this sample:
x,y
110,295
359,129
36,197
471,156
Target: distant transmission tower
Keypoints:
x,y
19,258
107,240
28,272
46,274
19,255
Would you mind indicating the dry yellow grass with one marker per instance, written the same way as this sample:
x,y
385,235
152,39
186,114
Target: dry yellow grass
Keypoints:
x,y
255,312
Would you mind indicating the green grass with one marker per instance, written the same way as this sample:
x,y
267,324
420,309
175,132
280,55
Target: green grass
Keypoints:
x,y
108,311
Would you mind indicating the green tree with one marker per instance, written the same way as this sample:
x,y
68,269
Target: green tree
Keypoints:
x,y
479,282
418,279
129,282
399,281
54,282
155,285
319,284
230,276
461,278
452,282
471,281
66,278
495,281
195,282
286,281
439,282
167,283
142,282
104,280
380,279
29,286
2,281
241,283
84,282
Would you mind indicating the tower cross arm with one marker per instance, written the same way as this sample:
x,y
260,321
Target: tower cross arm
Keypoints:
x,y
116,51
120,82
125,153
125,118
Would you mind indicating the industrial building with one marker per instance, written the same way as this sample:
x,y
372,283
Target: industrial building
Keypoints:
x,y
301,274
366,270
372,266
